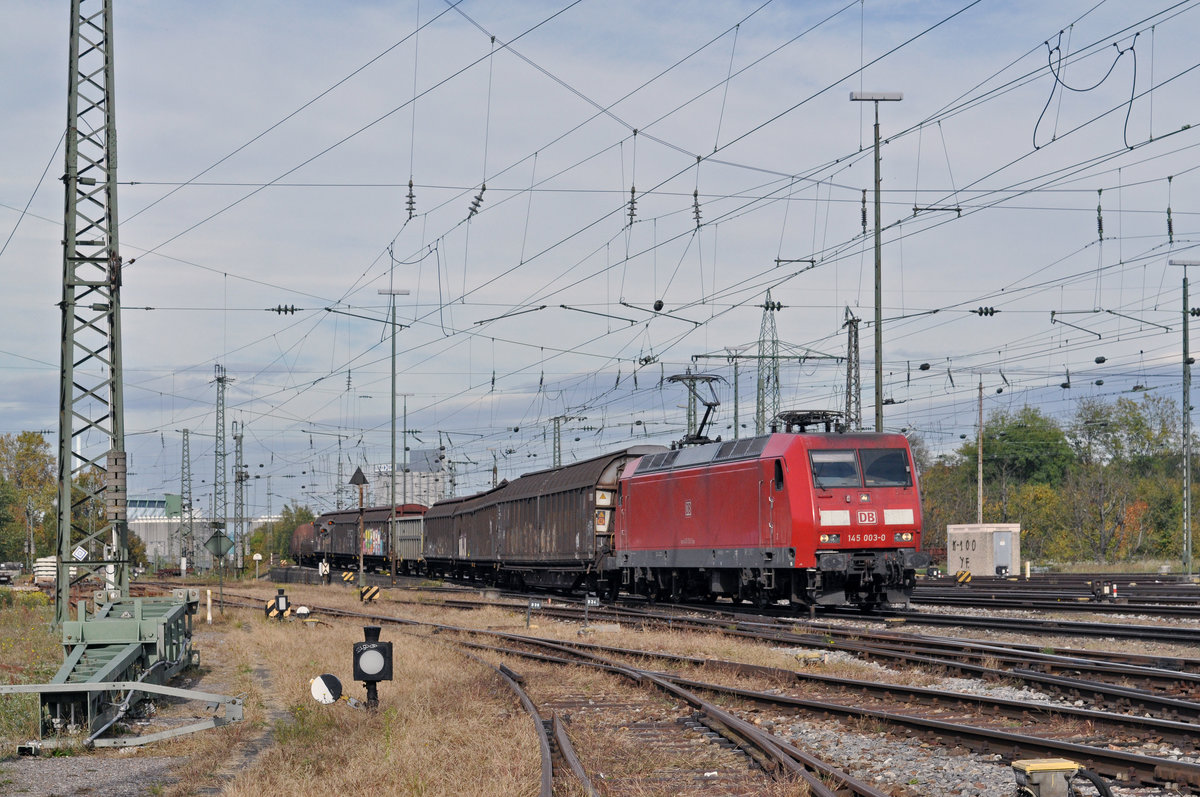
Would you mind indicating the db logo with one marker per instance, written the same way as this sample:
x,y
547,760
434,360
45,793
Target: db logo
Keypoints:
x,y
866,516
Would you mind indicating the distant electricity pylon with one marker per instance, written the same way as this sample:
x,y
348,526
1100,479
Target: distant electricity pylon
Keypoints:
x,y
853,374
767,405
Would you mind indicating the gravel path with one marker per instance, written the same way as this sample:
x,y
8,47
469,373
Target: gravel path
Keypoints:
x,y
124,773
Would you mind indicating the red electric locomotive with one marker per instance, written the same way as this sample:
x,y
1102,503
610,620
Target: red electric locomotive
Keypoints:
x,y
814,518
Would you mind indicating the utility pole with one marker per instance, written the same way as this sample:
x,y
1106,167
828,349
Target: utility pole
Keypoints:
x,y
878,97
92,532
736,401
853,374
392,293
359,480
1187,421
979,460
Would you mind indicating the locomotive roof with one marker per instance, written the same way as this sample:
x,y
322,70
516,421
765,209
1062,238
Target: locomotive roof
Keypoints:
x,y
754,448
551,480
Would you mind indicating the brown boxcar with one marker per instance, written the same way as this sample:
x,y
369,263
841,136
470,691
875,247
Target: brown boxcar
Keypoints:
x,y
334,537
550,528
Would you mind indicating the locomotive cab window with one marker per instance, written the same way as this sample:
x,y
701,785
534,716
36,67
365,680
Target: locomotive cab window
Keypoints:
x,y
778,475
886,467
834,469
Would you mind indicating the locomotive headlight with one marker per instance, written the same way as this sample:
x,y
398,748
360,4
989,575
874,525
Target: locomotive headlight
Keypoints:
x,y
904,536
832,539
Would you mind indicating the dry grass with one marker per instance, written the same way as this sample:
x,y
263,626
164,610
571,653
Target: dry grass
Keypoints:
x,y
446,725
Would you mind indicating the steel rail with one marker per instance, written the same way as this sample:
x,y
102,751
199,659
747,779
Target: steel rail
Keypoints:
x,y
568,753
1114,763
513,680
1183,731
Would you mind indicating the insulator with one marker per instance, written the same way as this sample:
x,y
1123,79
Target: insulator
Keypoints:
x,y
411,204
1195,311
864,211
477,201
632,204
696,206
1099,216
1170,226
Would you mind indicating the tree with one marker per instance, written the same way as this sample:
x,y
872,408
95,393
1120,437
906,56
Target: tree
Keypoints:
x,y
276,536
1018,449
27,466
12,532
1041,511
137,551
947,496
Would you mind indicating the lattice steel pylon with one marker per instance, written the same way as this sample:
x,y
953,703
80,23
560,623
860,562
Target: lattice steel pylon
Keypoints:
x,y
767,404
92,530
187,544
240,477
220,494
853,374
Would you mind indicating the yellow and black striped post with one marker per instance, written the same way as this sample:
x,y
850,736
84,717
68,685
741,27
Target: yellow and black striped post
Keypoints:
x,y
962,577
348,576
367,594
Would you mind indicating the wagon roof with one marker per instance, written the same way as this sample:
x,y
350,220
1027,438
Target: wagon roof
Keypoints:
x,y
575,476
340,516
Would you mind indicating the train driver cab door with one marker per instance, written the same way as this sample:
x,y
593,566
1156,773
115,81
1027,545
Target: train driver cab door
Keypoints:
x,y
772,506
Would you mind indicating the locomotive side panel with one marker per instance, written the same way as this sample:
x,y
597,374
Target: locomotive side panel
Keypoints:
x,y
696,517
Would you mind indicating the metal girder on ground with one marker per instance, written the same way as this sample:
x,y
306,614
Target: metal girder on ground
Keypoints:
x,y
131,690
125,640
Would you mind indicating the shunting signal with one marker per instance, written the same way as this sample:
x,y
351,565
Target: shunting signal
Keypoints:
x,y
278,607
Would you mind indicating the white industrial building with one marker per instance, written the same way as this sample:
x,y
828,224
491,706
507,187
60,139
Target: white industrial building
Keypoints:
x,y
424,482
163,535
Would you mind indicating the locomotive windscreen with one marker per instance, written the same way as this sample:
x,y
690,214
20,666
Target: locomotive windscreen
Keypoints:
x,y
834,468
881,467
886,467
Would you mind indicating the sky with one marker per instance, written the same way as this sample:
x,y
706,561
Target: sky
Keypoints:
x,y
265,152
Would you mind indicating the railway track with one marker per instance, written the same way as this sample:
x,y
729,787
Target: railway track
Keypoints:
x,y
930,712
705,733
